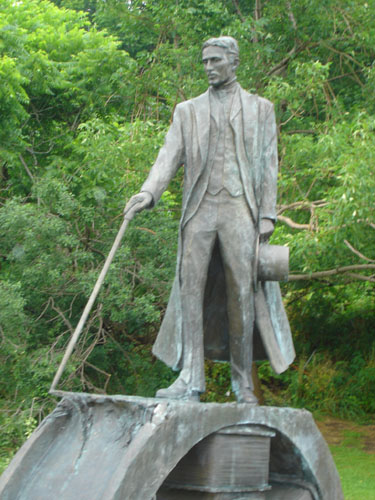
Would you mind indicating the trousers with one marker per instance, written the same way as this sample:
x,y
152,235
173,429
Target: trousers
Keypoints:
x,y
225,219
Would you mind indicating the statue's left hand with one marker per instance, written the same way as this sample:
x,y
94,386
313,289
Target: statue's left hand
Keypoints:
x,y
266,228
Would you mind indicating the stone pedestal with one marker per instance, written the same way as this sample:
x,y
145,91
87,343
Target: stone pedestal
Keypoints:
x,y
131,448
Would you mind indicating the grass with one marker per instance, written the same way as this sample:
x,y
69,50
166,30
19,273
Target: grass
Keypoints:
x,y
357,472
353,450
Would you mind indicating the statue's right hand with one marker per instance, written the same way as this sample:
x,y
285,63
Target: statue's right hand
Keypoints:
x,y
137,203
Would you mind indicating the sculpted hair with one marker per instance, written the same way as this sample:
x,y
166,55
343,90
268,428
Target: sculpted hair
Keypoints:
x,y
225,42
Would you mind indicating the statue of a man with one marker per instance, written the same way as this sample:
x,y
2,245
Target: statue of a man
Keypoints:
x,y
226,139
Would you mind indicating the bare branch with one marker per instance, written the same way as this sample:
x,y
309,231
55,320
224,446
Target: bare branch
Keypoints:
x,y
6,339
62,316
278,68
357,252
26,167
344,54
295,225
45,308
74,124
361,277
96,368
56,341
346,20
34,153
95,250
291,16
357,221
344,75
297,131
293,114
257,10
312,209
146,229
305,205
238,10
333,272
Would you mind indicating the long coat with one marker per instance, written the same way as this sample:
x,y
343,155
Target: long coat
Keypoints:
x,y
187,143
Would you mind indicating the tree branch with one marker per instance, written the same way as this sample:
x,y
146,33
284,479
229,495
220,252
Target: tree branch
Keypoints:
x,y
334,272
279,66
357,252
307,205
291,16
344,54
96,368
295,225
361,277
238,10
62,316
343,75
26,168
284,62
257,10
297,131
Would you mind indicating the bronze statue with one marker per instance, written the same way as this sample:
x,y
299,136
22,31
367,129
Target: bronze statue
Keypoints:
x,y
226,139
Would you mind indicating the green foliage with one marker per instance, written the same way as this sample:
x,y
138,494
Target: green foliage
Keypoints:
x,y
342,388
56,73
218,383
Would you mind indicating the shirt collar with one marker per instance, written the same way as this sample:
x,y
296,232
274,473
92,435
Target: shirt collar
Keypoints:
x,y
226,90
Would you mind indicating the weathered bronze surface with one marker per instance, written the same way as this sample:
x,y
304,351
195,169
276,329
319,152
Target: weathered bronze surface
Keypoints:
x,y
125,447
233,460
226,139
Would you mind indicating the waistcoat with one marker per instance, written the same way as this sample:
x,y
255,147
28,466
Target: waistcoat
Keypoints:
x,y
225,172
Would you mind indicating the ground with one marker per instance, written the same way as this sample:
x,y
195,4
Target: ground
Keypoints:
x,y
353,450
340,432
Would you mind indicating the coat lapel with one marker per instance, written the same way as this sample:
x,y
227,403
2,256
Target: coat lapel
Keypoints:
x,y
249,105
201,106
235,112
244,122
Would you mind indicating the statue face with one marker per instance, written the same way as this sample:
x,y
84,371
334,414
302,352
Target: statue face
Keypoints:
x,y
219,66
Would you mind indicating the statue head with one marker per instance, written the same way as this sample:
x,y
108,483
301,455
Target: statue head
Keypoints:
x,y
220,57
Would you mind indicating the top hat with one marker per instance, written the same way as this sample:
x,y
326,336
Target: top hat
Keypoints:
x,y
271,262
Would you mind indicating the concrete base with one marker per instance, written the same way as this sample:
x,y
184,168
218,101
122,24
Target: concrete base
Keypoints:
x,y
124,447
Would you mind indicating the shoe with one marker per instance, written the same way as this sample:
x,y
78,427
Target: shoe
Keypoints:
x,y
247,396
178,390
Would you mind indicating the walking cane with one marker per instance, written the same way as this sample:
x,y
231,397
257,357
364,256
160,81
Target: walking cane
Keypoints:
x,y
128,217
